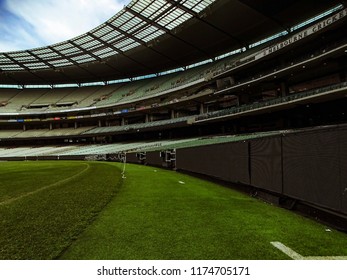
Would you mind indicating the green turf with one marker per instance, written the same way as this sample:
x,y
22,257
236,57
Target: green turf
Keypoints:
x,y
154,216
84,210
44,206
20,179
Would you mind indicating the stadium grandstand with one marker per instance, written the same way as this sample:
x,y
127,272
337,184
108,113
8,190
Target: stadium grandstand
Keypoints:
x,y
257,87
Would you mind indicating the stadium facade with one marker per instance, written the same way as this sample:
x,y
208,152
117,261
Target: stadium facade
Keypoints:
x,y
169,70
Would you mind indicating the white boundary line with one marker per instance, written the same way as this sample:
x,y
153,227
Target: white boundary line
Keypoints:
x,y
289,252
295,256
13,199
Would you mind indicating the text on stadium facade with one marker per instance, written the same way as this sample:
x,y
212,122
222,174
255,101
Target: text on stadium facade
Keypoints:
x,y
303,34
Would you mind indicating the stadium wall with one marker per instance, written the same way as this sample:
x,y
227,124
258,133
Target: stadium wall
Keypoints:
x,y
308,166
228,162
313,165
266,164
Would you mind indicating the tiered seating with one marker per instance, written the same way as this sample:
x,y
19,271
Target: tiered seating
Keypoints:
x,y
5,96
33,151
65,131
117,93
14,152
37,151
5,134
33,133
55,151
142,89
111,148
75,96
24,98
53,96
109,129
108,95
97,94
101,149
127,92
86,150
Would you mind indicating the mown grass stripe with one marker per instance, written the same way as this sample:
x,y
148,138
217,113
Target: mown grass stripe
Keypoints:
x,y
156,217
63,181
149,215
43,225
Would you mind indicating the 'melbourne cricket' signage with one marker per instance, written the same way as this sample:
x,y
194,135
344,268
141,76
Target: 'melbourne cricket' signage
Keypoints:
x,y
303,34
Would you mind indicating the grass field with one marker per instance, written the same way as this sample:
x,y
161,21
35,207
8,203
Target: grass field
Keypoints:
x,y
83,210
44,206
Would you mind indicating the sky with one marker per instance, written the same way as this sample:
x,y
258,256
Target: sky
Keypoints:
x,y
27,24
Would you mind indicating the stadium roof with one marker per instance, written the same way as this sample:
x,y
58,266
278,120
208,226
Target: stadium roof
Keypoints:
x,y
151,36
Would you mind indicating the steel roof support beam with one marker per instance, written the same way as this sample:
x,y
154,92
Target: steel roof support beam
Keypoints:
x,y
84,50
47,63
197,16
143,43
41,60
23,66
127,34
166,30
16,62
118,51
72,61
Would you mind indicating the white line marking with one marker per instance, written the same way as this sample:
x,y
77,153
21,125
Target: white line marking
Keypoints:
x,y
295,256
327,258
13,199
289,252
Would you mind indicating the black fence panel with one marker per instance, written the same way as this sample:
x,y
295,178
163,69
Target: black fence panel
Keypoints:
x,y
228,162
311,168
12,158
343,168
131,158
153,158
266,163
64,157
31,158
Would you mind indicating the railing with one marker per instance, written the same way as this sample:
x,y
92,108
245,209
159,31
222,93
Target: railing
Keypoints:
x,y
276,101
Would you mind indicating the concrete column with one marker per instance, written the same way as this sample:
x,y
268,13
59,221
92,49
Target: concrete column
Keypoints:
x,y
202,109
284,89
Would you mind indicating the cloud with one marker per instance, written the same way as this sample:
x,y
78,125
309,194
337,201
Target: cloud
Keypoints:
x,y
28,24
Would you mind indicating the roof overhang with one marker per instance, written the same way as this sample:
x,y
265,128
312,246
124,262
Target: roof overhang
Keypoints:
x,y
149,37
